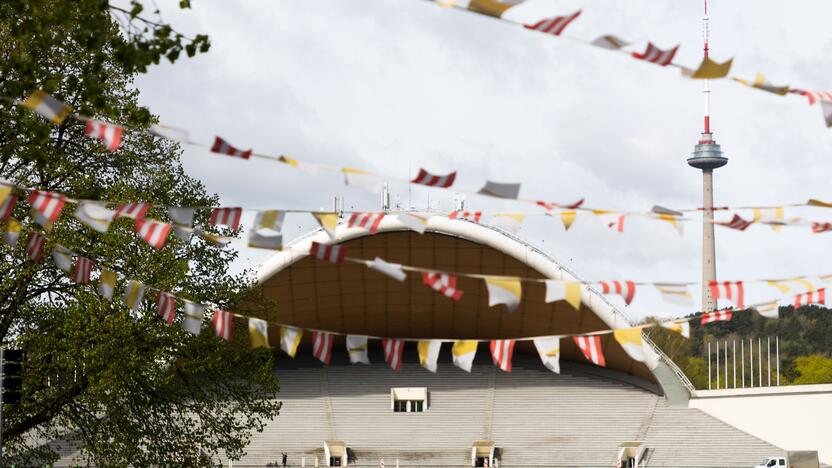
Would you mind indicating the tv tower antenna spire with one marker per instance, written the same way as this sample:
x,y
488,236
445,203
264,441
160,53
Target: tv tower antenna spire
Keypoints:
x,y
707,156
707,90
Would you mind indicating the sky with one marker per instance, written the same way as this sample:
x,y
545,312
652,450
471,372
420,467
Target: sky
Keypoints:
x,y
393,85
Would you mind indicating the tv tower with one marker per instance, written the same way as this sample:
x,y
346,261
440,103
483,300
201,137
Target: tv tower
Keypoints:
x,y
707,156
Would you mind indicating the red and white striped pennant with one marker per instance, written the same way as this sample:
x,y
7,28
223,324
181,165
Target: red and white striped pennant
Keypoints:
x,y
108,133
811,297
618,224
133,210
655,55
468,215
82,270
555,25
223,147
551,205
444,283
34,248
590,346
733,291
222,324
625,289
368,221
322,346
166,306
393,353
426,178
329,253
814,96
226,217
47,204
737,222
502,352
817,228
716,316
7,207
153,232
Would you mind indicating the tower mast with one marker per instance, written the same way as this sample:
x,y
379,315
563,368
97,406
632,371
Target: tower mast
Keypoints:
x,y
707,156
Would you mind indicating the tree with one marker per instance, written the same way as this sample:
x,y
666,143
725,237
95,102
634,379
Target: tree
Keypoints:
x,y
128,388
813,369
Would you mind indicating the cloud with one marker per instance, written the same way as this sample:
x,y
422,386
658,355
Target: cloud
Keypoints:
x,y
394,86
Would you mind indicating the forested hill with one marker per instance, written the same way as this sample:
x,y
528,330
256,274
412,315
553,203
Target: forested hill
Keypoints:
x,y
805,338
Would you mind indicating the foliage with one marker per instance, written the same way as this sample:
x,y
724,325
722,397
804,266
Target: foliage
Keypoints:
x,y
805,342
128,388
813,369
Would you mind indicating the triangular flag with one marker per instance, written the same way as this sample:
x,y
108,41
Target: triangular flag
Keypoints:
x,y
311,169
768,310
463,354
610,42
47,106
493,8
760,82
7,202
265,241
775,217
500,190
182,219
503,290
709,69
194,314
11,232
363,179
328,221
567,218
549,351
357,349
568,291
265,233
413,221
258,333
681,327
133,295
638,349
393,270
107,284
429,353
826,107
675,293
62,257
169,133
290,339
822,204
508,222
95,215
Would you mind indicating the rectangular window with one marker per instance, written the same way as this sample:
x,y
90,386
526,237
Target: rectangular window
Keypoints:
x,y
409,400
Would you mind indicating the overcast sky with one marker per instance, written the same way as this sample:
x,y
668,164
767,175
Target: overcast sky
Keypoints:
x,y
392,85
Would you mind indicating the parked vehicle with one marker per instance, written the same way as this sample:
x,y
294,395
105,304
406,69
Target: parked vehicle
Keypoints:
x,y
793,459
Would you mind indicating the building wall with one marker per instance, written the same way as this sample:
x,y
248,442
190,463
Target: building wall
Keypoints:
x,y
796,417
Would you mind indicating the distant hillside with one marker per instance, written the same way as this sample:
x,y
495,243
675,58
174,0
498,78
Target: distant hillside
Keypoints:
x,y
805,344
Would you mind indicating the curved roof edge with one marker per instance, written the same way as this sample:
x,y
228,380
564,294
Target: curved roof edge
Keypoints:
x,y
484,235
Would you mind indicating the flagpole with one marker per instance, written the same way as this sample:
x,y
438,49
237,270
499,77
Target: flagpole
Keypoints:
x,y
742,361
717,364
760,361
768,358
734,355
709,365
751,360
777,350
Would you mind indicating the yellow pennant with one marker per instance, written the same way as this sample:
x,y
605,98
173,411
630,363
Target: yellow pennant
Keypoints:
x,y
760,82
822,204
709,69
567,218
489,7
328,222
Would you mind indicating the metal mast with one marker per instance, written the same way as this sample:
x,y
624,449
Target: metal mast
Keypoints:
x,y
707,156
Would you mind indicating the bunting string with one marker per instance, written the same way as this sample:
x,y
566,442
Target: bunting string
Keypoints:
x,y
589,343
